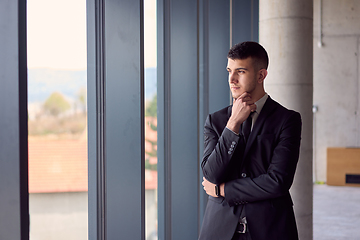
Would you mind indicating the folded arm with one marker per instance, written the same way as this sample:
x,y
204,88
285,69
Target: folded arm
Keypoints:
x,y
278,178
218,152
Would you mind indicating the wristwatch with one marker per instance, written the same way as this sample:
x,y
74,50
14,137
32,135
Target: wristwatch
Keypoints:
x,y
217,190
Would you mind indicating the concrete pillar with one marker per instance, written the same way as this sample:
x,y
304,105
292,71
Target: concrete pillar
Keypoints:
x,y
286,32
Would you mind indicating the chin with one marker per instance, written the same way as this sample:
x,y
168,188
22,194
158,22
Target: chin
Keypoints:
x,y
236,95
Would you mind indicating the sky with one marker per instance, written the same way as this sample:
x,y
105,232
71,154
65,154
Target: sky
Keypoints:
x,y
57,34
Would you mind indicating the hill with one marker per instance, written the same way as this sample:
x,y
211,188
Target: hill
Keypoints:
x,y
43,81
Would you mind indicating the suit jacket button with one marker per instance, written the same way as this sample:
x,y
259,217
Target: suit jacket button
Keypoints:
x,y
233,143
229,152
243,175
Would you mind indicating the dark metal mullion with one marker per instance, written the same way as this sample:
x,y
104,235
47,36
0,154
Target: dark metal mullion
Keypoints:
x,y
245,21
162,211
142,116
255,20
116,119
124,123
167,115
23,123
100,121
14,195
164,109
252,21
203,94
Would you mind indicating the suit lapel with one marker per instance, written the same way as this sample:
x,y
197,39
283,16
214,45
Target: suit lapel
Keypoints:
x,y
268,108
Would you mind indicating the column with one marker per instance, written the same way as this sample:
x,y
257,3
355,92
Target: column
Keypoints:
x,y
14,194
116,119
286,32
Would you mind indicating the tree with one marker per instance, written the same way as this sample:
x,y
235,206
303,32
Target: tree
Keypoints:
x,y
56,104
151,107
81,97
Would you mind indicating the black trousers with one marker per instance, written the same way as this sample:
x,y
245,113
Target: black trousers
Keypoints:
x,y
240,227
241,236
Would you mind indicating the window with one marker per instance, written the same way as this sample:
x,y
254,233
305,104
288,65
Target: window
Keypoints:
x,y
57,119
151,174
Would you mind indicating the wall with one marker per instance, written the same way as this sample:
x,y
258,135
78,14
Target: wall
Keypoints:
x,y
58,216
336,79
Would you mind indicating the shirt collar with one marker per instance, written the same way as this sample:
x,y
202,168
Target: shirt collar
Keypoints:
x,y
260,103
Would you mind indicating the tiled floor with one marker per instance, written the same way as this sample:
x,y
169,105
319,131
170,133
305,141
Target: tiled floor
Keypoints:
x,y
336,213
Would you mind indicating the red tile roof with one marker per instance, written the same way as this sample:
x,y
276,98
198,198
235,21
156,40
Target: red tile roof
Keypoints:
x,y
57,165
61,165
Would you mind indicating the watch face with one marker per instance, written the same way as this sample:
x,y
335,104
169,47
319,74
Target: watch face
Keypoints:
x,y
217,190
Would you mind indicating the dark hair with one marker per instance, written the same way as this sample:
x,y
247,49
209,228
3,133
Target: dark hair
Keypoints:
x,y
250,49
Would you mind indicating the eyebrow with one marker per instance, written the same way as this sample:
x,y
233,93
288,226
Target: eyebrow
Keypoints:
x,y
237,69
241,69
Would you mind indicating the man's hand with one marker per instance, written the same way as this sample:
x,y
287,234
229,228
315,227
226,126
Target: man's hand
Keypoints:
x,y
210,188
241,109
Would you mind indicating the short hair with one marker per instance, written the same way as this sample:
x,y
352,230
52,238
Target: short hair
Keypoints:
x,y
250,49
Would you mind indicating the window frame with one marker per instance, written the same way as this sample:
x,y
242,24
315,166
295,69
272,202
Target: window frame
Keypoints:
x,y
189,67
14,201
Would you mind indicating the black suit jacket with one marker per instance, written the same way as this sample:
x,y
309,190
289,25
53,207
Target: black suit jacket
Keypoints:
x,y
257,174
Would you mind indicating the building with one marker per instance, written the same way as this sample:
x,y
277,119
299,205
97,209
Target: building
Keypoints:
x,y
323,35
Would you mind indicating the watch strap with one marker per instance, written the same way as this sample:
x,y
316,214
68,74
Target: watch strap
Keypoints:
x,y
217,190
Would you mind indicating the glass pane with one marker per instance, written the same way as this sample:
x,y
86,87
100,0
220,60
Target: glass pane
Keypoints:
x,y
150,120
57,119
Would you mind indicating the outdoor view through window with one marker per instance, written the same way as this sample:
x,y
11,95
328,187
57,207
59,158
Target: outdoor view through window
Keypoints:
x,y
57,118
150,120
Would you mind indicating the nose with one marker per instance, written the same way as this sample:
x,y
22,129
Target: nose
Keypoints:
x,y
232,78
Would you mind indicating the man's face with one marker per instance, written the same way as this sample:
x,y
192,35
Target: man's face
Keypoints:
x,y
242,76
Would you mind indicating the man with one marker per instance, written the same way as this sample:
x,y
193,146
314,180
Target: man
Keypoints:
x,y
248,177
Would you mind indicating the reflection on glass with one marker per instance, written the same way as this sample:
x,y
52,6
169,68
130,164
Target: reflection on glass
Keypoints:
x,y
150,120
57,119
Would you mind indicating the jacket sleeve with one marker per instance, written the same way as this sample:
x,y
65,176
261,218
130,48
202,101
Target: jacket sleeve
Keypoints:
x,y
218,150
279,175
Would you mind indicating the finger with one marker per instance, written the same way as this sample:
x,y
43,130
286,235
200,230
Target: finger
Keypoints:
x,y
253,107
245,99
245,95
250,103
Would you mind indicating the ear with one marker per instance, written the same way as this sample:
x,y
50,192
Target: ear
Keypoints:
x,y
262,75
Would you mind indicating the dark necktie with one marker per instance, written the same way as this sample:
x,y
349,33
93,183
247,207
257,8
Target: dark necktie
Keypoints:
x,y
246,128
